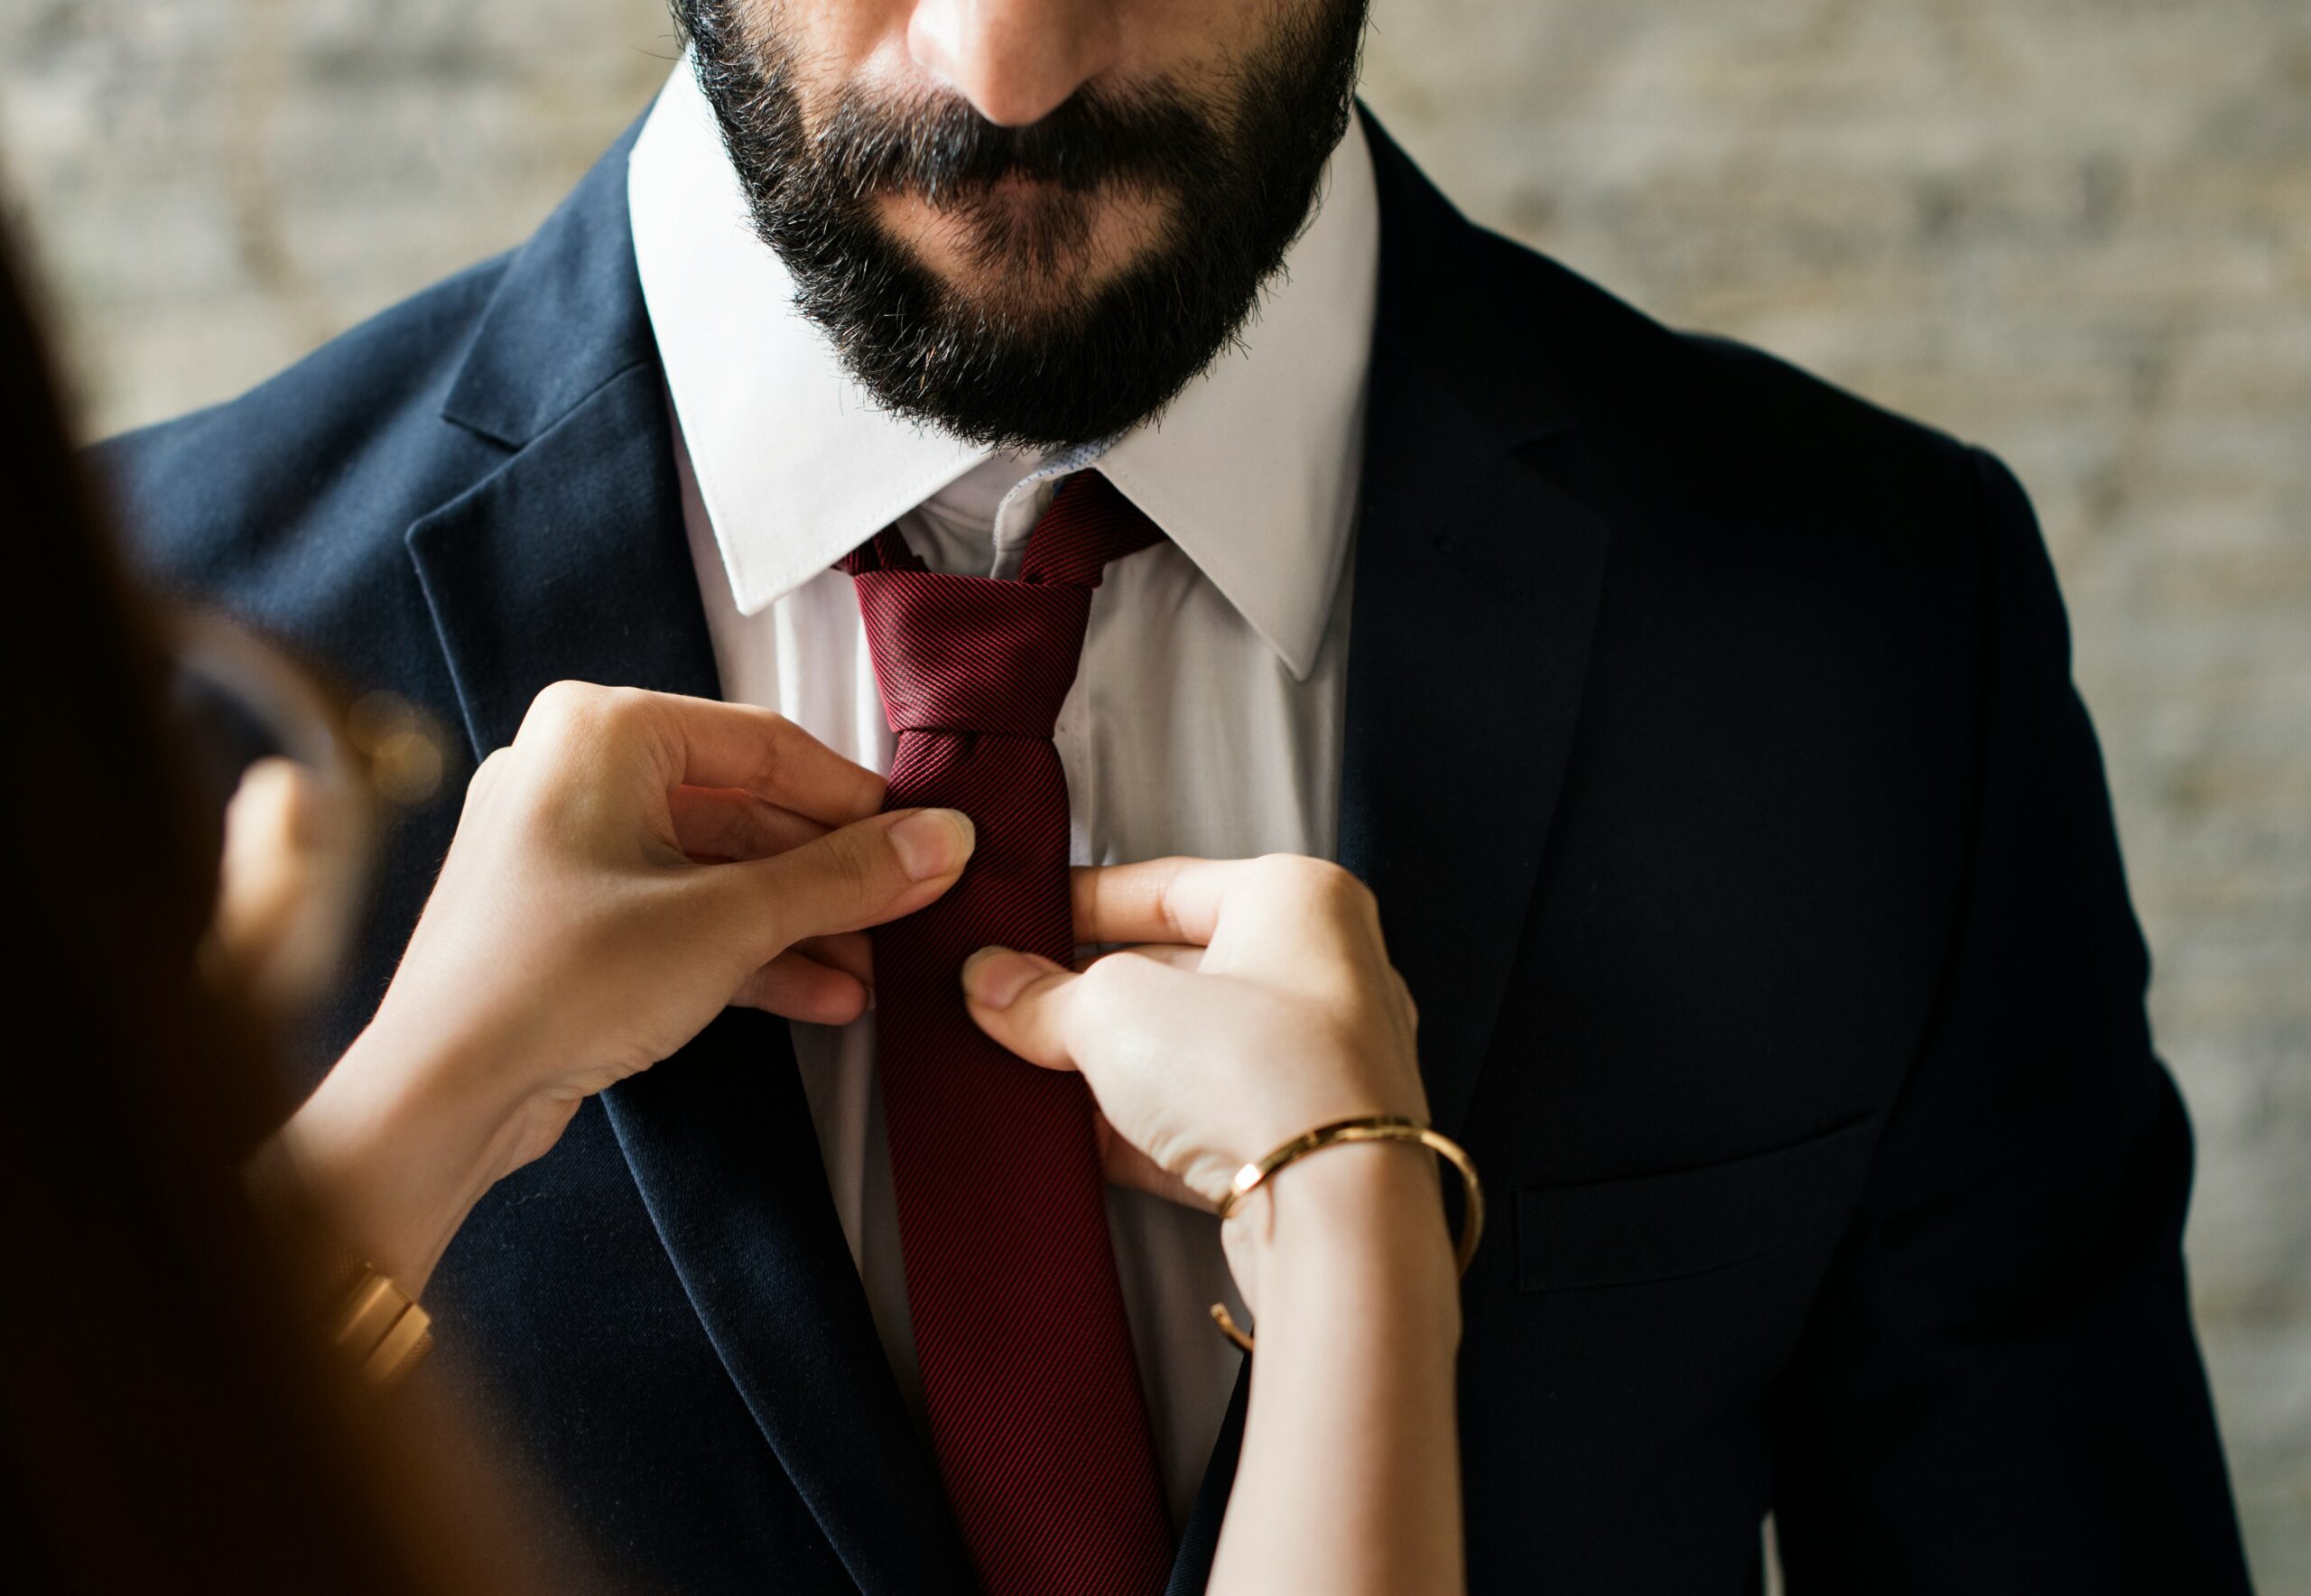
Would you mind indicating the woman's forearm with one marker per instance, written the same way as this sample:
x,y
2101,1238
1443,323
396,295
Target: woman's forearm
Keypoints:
x,y
1349,1477
395,1150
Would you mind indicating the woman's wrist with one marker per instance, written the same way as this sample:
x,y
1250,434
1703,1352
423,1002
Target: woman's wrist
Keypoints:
x,y
1348,1476
398,1143
1352,1227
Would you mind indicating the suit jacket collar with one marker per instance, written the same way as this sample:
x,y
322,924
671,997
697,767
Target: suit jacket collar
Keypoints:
x,y
1477,584
1476,593
567,316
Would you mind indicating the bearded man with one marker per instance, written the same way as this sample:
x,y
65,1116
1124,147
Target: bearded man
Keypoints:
x,y
1705,735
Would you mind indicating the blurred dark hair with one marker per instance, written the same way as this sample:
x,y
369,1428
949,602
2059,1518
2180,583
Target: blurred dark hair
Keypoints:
x,y
170,1424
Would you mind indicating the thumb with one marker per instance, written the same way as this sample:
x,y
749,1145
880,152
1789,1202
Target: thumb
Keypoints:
x,y
1021,1001
1051,1016
859,874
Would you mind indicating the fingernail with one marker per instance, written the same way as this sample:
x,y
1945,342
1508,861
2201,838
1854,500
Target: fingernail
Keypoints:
x,y
994,977
934,842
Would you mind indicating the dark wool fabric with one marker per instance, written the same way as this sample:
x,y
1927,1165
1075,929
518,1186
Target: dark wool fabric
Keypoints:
x,y
1710,749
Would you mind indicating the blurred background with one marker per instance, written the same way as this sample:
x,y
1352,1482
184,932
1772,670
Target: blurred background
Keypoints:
x,y
2077,231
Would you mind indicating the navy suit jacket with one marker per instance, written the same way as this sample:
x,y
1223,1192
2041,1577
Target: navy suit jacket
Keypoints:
x,y
1711,751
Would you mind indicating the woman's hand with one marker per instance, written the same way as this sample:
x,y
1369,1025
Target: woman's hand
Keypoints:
x,y
1261,1005
1266,1006
632,864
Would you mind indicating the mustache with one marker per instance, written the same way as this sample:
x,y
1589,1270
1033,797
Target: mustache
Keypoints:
x,y
939,149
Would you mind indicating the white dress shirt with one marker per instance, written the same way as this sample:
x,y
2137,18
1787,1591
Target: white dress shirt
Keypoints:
x,y
1206,717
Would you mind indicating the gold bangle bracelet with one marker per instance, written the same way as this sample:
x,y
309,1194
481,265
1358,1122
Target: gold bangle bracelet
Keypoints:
x,y
1370,1128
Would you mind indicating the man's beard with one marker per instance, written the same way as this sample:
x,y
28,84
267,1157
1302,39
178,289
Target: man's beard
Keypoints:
x,y
1054,364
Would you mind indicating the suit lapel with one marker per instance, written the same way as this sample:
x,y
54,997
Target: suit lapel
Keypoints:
x,y
1476,590
571,561
1477,583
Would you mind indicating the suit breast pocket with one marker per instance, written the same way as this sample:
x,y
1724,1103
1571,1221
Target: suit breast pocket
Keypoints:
x,y
1690,1221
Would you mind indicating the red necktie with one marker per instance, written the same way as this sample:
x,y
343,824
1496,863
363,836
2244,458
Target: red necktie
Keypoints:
x,y
1035,1408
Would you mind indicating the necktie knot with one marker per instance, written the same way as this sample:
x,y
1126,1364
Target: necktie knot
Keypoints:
x,y
976,654
971,653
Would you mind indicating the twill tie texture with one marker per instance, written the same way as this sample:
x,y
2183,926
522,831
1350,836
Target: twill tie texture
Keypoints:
x,y
1036,1411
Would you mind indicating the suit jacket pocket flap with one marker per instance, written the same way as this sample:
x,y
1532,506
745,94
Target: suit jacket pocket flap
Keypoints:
x,y
1690,1221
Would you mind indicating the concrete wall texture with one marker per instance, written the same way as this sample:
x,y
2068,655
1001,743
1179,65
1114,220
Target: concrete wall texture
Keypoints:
x,y
2076,230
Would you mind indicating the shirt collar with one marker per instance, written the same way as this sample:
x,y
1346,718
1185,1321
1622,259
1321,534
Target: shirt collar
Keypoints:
x,y
1251,472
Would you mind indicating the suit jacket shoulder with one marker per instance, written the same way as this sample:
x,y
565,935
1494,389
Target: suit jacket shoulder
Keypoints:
x,y
283,503
1766,435
314,468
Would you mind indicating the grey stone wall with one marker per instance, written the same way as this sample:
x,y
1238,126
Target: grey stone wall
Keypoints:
x,y
2076,230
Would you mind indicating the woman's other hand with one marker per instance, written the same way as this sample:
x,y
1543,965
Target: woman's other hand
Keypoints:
x,y
1259,1004
632,864
1262,1005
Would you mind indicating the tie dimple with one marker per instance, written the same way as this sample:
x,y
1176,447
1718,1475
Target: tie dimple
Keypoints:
x,y
968,654
1033,1391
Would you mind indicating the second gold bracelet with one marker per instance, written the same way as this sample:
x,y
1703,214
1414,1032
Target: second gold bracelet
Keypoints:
x,y
1370,1128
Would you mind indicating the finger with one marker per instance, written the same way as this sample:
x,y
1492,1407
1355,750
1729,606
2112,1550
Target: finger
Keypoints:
x,y
856,876
731,823
1179,956
1167,900
1174,955
1182,900
802,989
1049,1015
764,753
1020,1000
851,952
1125,1165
